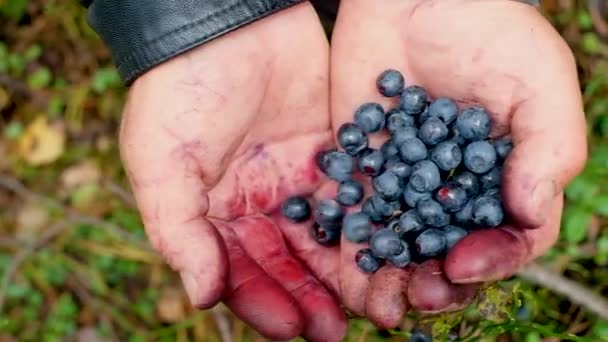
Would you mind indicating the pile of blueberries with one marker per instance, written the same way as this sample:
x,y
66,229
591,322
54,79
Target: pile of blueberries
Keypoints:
x,y
434,180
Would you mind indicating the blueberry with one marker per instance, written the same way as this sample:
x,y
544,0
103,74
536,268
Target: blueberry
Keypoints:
x,y
379,209
296,209
390,151
357,227
352,138
487,211
412,197
493,192
431,243
456,137
401,169
413,100
410,221
384,243
390,83
446,155
371,162
452,198
350,192
393,225
388,186
444,109
402,259
325,236
474,123
397,119
338,166
464,217
329,213
401,135
491,179
413,150
453,234
370,117
366,261
503,147
432,213
425,176
468,182
424,116
479,157
433,131
419,336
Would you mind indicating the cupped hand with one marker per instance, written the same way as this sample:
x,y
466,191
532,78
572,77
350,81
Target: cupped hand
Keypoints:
x,y
501,54
213,141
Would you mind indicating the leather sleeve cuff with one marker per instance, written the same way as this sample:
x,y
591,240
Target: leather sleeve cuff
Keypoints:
x,y
143,33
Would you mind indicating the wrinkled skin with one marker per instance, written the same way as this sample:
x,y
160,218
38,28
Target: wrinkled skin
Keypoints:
x,y
498,53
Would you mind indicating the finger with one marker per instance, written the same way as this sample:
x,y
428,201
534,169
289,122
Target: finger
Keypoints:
x,y
495,254
430,291
386,299
262,240
255,297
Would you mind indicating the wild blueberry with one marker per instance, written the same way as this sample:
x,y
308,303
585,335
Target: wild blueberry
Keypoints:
x,y
366,261
296,209
487,211
413,100
453,234
401,169
401,135
425,176
384,243
452,198
474,123
413,150
397,119
402,259
468,182
357,227
490,179
444,109
464,217
433,131
419,336
431,212
479,157
393,225
388,186
425,115
390,151
325,236
410,221
329,213
503,147
370,117
431,243
338,166
349,193
493,192
446,155
370,162
412,197
352,138
379,209
456,137
390,83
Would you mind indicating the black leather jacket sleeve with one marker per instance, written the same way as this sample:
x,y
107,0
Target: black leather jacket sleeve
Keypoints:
x,y
143,33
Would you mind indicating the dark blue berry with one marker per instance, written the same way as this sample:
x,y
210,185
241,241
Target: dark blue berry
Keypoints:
x,y
370,117
338,166
433,131
419,336
444,109
487,211
453,234
452,198
474,123
468,182
401,135
390,83
493,192
456,137
385,243
479,157
390,151
393,225
352,138
325,236
401,169
413,150
412,197
350,192
410,221
402,259
296,209
379,209
388,186
425,176
431,243
397,119
464,217
491,179
446,155
329,214
357,227
432,213
503,148
413,100
366,261
371,162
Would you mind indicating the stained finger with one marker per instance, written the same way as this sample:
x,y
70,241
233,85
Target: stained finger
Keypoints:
x,y
386,300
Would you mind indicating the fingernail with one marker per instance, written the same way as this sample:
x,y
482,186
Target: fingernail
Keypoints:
x,y
542,198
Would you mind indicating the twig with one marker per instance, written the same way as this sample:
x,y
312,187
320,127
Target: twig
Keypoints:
x,y
223,325
575,292
121,193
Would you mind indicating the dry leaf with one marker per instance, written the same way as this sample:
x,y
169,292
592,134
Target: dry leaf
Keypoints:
x,y
170,306
85,172
40,143
4,98
30,221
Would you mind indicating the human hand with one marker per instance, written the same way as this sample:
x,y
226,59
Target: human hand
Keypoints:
x,y
213,141
503,55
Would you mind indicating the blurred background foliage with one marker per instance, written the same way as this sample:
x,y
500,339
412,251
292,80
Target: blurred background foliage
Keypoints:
x,y
74,261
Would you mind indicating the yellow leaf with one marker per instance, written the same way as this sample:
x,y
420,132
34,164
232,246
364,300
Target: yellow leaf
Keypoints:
x,y
41,144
